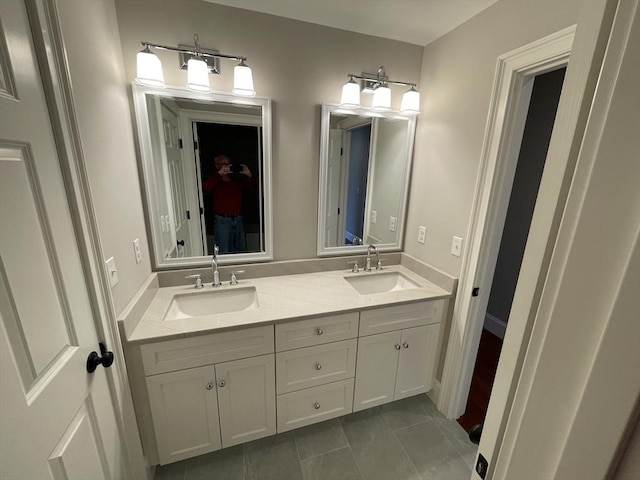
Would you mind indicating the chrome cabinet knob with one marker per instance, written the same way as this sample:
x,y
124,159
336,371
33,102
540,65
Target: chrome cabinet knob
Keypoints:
x,y
397,346
222,383
405,345
209,386
318,366
316,405
319,331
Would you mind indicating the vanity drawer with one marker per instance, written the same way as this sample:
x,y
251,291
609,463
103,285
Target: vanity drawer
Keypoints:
x,y
202,350
312,366
388,319
305,333
313,405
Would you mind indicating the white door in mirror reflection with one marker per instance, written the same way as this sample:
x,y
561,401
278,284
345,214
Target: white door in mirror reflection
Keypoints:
x,y
334,189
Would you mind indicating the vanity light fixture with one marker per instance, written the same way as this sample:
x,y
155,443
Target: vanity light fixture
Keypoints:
x,y
378,84
199,63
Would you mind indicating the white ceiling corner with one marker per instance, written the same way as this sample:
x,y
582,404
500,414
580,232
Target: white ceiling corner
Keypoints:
x,y
413,21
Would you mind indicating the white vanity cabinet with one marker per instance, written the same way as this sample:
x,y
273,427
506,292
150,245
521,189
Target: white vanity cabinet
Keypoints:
x,y
199,408
398,363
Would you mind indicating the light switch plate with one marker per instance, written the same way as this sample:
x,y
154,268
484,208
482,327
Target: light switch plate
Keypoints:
x,y
112,272
422,233
374,216
456,246
137,251
392,223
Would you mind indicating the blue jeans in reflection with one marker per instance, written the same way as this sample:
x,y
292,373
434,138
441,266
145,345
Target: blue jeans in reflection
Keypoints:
x,y
230,235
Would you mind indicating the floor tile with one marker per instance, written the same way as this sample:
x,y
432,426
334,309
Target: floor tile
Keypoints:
x,y
227,464
173,471
272,458
336,465
456,435
432,453
428,406
377,452
320,438
404,413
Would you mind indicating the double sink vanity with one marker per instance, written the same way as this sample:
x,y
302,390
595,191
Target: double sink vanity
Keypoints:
x,y
216,367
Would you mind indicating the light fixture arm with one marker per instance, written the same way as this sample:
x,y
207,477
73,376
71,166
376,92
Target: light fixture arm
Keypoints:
x,y
381,80
196,52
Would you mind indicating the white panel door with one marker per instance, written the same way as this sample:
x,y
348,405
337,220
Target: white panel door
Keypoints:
x,y
332,222
177,182
417,361
184,407
376,367
247,399
56,420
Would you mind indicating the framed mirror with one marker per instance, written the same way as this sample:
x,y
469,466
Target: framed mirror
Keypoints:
x,y
206,163
365,163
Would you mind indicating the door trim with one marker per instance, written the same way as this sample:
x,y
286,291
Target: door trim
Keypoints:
x,y
515,72
51,55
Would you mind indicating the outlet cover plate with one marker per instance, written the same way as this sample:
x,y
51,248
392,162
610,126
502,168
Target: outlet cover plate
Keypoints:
x,y
456,246
112,272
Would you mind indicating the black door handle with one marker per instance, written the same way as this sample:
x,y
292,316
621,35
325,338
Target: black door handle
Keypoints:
x,y
94,359
475,433
181,243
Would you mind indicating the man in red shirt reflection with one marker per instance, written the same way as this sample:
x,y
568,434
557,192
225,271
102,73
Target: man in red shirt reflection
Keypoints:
x,y
227,186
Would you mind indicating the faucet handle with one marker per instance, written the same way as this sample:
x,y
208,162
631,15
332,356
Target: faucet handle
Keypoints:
x,y
198,280
379,264
355,268
234,279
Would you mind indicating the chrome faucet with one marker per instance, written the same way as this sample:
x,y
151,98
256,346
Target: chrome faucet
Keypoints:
x,y
214,267
367,263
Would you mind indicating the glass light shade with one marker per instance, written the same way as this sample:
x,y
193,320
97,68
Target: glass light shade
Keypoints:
x,y
410,102
350,95
149,69
381,98
197,75
243,81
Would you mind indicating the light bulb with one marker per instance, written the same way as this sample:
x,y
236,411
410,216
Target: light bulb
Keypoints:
x,y
410,102
350,94
381,98
243,80
198,75
149,68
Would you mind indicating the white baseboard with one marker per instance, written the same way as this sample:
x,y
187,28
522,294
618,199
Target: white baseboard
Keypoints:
x,y
495,325
434,393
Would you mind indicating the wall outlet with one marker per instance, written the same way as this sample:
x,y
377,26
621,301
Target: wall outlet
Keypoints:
x,y
136,250
392,223
112,272
456,246
422,233
374,216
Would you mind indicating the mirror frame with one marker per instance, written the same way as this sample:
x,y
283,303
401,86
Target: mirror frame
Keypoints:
x,y
327,110
152,193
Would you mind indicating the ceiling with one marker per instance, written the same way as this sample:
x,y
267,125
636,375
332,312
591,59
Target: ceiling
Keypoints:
x,y
414,21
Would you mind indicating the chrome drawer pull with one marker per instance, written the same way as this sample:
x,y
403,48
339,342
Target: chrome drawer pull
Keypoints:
x,y
222,383
318,366
209,386
405,345
316,405
319,331
397,346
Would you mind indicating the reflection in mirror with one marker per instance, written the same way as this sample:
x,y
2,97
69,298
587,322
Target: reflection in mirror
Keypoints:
x,y
206,165
365,162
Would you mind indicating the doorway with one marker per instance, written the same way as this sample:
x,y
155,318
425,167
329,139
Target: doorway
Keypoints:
x,y
538,127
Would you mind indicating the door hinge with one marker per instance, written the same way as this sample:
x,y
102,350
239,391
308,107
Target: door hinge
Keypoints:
x,y
341,150
195,145
201,211
338,211
179,143
475,292
482,466
188,215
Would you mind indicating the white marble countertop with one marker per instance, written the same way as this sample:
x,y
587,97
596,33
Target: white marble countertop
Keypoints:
x,y
280,298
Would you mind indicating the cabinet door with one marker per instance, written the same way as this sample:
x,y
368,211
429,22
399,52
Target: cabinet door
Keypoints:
x,y
376,367
184,408
417,361
247,399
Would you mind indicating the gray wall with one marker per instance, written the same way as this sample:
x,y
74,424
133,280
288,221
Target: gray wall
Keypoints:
x,y
298,65
456,85
90,33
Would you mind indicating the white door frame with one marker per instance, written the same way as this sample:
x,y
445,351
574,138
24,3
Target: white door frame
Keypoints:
x,y
51,52
513,85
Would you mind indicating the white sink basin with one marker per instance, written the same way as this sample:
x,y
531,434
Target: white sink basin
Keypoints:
x,y
198,304
369,283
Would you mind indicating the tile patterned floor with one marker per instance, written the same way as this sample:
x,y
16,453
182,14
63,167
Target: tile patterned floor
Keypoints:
x,y
404,440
